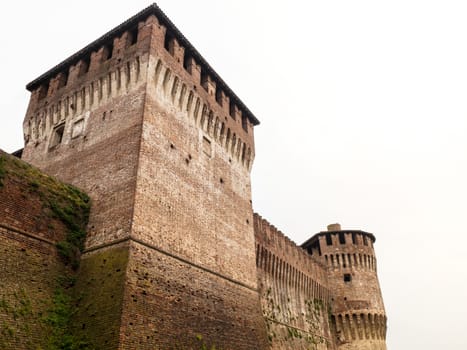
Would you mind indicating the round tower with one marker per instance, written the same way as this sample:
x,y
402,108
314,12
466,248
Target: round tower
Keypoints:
x,y
357,311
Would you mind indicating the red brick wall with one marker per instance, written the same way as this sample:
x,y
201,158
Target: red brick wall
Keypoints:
x,y
358,315
180,186
294,291
29,264
193,217
28,272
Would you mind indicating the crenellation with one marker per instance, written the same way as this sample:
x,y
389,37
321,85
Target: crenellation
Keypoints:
x,y
223,100
176,50
208,83
75,103
193,68
56,83
164,148
175,89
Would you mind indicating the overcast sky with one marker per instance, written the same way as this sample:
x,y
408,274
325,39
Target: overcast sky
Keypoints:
x,y
363,110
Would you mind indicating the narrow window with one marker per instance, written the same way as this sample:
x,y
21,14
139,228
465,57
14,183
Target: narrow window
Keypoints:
x,y
57,135
219,96
328,239
347,277
108,52
354,238
341,238
204,80
168,43
43,89
186,62
86,62
133,36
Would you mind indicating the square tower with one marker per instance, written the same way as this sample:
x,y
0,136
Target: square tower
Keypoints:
x,y
164,148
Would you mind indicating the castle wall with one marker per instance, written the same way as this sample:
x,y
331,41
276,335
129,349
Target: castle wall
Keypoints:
x,y
295,298
358,316
86,128
193,220
174,257
143,113
99,106
99,289
170,303
29,263
28,271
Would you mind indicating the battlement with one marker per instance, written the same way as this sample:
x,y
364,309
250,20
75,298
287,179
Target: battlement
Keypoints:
x,y
117,63
355,327
140,121
175,87
113,44
294,295
268,235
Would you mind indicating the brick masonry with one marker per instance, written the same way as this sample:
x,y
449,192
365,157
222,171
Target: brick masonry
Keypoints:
x,y
174,256
29,263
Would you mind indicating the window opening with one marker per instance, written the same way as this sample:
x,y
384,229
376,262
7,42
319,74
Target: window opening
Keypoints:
x,y
57,135
133,36
341,238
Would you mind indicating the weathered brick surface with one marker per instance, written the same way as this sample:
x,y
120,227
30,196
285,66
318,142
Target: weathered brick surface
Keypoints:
x,y
169,304
29,263
193,204
166,159
358,315
99,289
28,269
164,149
295,298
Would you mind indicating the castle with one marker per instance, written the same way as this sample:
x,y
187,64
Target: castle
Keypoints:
x,y
174,257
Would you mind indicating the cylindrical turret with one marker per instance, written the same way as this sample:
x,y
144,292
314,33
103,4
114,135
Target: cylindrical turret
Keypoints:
x,y
357,310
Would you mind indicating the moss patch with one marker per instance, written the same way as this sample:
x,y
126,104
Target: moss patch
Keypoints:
x,y
66,210
99,294
60,201
60,318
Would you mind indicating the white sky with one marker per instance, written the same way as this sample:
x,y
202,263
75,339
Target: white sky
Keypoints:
x,y
363,110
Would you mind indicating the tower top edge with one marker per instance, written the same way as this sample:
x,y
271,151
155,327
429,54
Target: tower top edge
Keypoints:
x,y
316,236
152,9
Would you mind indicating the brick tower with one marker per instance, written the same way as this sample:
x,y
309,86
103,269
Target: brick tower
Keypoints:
x,y
358,319
140,121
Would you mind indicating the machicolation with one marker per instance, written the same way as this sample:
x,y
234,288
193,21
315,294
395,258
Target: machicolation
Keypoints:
x,y
166,252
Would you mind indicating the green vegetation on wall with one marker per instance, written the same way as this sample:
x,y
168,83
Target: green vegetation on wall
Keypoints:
x,y
61,203
19,308
280,321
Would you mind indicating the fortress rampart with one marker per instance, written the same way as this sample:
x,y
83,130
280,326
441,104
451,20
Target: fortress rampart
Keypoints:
x,y
174,257
358,315
32,227
295,299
